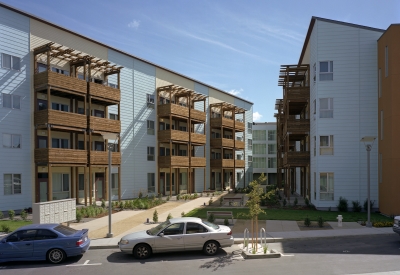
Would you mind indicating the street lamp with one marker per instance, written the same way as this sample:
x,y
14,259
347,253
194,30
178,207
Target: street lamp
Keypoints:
x,y
368,142
110,147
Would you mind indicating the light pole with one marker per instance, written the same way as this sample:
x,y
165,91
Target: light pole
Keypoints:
x,y
110,147
368,142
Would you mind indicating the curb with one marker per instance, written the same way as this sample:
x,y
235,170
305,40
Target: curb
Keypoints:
x,y
113,246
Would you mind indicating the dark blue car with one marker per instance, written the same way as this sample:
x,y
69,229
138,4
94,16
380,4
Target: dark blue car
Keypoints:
x,y
52,242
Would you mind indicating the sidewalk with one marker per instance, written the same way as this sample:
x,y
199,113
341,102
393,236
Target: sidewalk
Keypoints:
x,y
276,231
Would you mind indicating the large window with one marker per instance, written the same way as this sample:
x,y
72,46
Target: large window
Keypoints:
x,y
114,181
326,145
10,62
11,101
60,186
11,141
259,135
326,187
60,107
59,143
151,183
250,158
271,134
325,70
113,116
12,184
150,153
260,149
150,127
150,100
326,107
250,144
271,162
249,127
271,149
259,162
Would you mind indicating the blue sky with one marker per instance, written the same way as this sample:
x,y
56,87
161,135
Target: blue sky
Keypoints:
x,y
236,46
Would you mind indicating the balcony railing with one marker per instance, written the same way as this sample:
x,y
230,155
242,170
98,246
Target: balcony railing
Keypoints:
x,y
297,126
163,110
56,80
173,161
198,115
239,126
298,159
101,158
198,162
105,92
60,118
239,144
218,122
297,94
240,163
221,142
198,138
105,125
166,135
222,163
62,156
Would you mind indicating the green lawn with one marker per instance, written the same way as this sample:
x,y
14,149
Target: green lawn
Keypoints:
x,y
292,215
13,224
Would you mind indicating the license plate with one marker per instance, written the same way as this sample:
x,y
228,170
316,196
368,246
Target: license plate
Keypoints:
x,y
85,239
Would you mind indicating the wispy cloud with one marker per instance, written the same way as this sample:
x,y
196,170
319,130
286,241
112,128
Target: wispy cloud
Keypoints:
x,y
235,92
256,116
134,24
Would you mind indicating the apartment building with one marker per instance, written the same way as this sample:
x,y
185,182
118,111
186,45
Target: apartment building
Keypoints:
x,y
264,146
389,115
67,99
333,90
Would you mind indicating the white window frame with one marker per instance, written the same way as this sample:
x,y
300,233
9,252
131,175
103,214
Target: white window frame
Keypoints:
x,y
113,116
151,182
326,150
260,135
11,136
150,127
13,59
326,113
260,148
327,73
259,162
150,153
272,162
272,133
249,127
13,99
150,100
14,182
249,158
272,152
329,193
249,144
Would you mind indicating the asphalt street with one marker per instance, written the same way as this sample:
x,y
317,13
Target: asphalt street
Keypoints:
x,y
345,255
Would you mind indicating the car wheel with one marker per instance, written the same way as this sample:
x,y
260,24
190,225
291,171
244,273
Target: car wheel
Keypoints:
x,y
142,251
55,256
210,248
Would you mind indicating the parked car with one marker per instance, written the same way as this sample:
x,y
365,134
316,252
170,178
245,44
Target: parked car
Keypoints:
x,y
396,224
52,242
180,234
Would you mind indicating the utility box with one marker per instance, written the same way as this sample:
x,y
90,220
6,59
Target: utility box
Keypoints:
x,y
57,211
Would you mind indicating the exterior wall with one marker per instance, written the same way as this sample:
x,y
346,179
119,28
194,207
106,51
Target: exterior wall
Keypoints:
x,y
353,89
216,96
14,33
388,102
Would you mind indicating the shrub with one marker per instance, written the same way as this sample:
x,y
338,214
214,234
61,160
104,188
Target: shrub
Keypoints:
x,y
320,222
168,198
208,194
5,228
221,200
211,218
343,205
356,206
226,222
284,202
382,224
140,195
11,214
178,197
307,202
295,202
366,204
265,248
307,222
24,215
186,197
210,201
1,215
155,216
103,203
78,216
183,214
169,216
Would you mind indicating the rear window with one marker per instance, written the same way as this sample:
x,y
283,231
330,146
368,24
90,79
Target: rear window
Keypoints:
x,y
212,225
65,230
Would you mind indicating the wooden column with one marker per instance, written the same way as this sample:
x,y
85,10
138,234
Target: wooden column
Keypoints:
x,y
170,179
49,183
90,185
85,186
73,182
77,184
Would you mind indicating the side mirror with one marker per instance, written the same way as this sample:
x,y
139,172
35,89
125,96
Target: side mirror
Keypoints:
x,y
161,234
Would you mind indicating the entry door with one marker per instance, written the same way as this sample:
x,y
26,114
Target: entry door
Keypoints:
x,y
43,180
99,177
167,186
162,181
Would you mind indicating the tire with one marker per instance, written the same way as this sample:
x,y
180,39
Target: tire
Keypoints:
x,y
56,256
211,248
142,251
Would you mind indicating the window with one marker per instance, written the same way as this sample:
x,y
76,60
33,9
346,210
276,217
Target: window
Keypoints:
x,y
59,143
11,141
150,127
151,183
81,182
112,85
41,67
250,144
114,181
60,107
174,229
259,162
98,146
315,72
315,106
60,186
259,135
113,116
98,113
182,152
325,70
326,188
44,234
42,104
381,124
10,62
195,228
326,107
315,146
11,101
271,162
379,83
386,61
22,236
150,153
326,145
271,149
260,149
59,71
380,168
250,158
12,184
150,100
249,127
271,134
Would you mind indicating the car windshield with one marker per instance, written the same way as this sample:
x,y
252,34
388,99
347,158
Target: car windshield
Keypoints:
x,y
158,228
65,230
212,225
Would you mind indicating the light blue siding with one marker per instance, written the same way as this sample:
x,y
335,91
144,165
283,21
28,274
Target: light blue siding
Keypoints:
x,y
14,40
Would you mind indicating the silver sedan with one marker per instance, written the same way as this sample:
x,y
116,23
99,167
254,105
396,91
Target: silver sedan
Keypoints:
x,y
180,234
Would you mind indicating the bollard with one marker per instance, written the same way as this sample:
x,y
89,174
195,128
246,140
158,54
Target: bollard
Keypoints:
x,y
339,218
147,220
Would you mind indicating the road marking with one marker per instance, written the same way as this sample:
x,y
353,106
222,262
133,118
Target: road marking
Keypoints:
x,y
85,264
287,255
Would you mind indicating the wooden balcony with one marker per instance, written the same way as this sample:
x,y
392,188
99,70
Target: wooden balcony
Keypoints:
x,y
173,161
296,94
197,162
60,118
296,159
297,126
239,126
164,110
197,115
104,92
101,158
166,135
61,156
218,122
104,124
198,138
239,144
221,142
240,163
56,80
222,163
